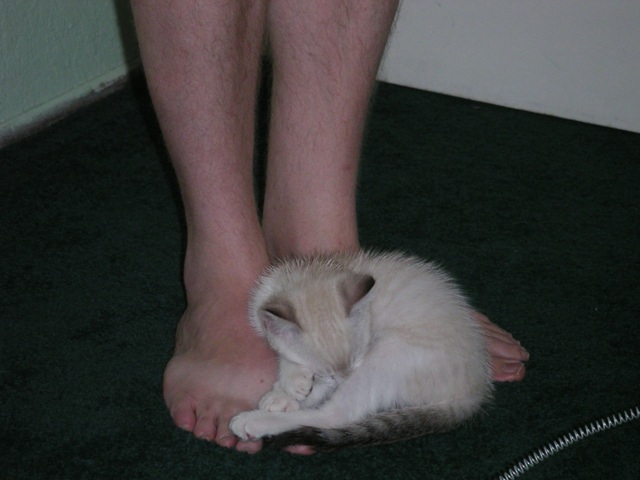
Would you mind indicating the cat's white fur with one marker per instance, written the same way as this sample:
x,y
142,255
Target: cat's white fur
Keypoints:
x,y
360,334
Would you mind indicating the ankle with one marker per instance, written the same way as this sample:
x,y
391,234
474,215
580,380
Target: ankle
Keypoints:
x,y
227,274
285,243
322,220
205,327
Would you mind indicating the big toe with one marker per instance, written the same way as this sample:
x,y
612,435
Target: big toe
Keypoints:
x,y
183,414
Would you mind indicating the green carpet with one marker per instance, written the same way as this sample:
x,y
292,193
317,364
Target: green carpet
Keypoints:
x,y
538,217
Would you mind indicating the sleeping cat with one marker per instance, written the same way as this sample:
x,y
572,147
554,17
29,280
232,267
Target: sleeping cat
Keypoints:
x,y
373,348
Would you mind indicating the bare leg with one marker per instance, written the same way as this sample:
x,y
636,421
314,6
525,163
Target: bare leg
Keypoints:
x,y
325,58
201,60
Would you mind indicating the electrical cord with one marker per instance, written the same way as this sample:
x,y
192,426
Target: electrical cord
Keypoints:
x,y
564,441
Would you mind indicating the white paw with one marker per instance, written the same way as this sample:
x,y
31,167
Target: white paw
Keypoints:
x,y
256,424
278,401
298,385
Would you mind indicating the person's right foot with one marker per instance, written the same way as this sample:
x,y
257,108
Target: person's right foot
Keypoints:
x,y
220,367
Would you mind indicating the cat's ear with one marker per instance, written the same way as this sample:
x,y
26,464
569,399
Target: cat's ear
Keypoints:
x,y
279,319
354,288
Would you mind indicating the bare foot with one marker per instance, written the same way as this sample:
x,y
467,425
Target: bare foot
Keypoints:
x,y
220,365
507,356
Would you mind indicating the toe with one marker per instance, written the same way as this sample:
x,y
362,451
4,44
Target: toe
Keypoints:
x,y
205,427
224,435
507,371
184,415
499,334
300,450
507,350
250,446
226,441
492,330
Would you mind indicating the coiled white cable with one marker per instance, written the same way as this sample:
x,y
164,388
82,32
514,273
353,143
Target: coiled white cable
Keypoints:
x,y
562,442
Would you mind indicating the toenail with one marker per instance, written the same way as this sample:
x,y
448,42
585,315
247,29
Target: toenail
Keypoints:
x,y
512,368
222,441
524,353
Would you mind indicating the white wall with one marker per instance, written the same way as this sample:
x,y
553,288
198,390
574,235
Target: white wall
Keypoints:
x,y
577,59
54,53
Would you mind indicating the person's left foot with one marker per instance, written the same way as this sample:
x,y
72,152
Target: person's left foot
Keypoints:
x,y
507,356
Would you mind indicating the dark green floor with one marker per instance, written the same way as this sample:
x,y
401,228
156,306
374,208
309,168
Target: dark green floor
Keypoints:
x,y
538,217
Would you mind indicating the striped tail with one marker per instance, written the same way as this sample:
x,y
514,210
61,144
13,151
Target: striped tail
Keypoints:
x,y
380,428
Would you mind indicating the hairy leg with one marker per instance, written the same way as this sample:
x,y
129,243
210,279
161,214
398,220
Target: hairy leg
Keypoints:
x,y
325,58
201,59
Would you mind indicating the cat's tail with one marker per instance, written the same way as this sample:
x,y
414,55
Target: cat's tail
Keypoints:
x,y
380,428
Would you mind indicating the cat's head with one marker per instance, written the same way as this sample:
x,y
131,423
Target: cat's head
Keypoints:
x,y
322,323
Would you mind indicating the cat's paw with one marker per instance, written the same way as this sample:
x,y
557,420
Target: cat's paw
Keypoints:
x,y
278,400
299,384
257,424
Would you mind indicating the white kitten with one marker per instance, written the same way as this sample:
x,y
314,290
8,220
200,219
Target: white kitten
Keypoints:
x,y
373,348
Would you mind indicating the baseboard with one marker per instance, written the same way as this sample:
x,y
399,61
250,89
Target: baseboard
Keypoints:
x,y
54,110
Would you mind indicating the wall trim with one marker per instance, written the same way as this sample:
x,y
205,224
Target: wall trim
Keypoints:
x,y
54,110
